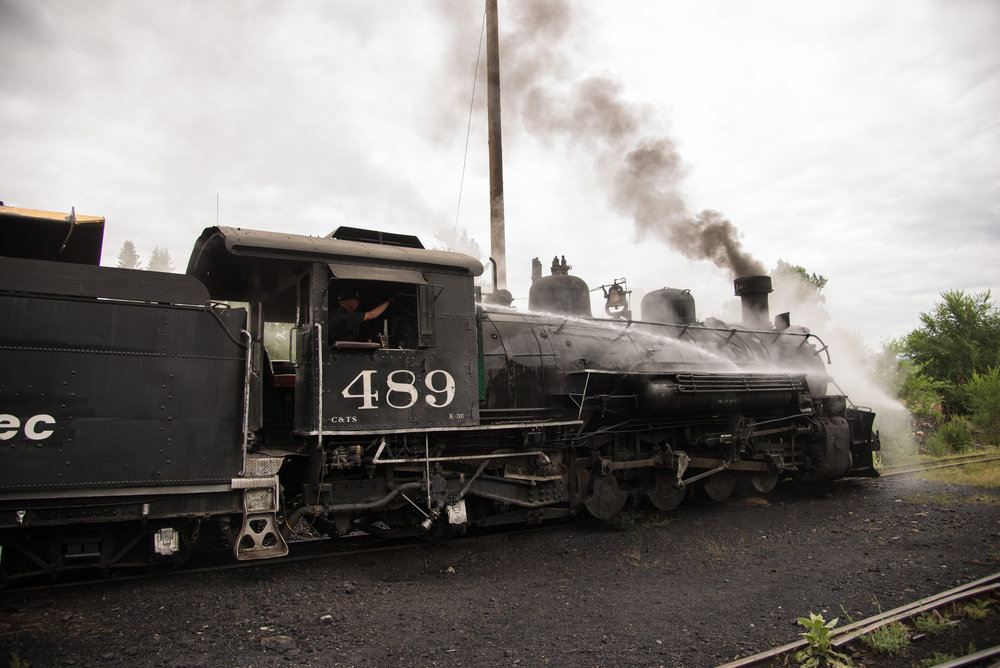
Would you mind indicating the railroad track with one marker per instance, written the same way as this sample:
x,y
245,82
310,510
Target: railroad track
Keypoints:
x,y
309,549
944,462
989,585
334,548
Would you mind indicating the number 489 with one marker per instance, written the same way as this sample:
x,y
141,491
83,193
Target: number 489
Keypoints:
x,y
401,389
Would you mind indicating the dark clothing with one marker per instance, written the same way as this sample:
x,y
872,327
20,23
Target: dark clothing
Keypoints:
x,y
344,324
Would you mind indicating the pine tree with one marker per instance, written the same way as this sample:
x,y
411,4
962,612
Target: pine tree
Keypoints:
x,y
159,260
127,257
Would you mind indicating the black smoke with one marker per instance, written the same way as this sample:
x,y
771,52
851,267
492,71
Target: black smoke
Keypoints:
x,y
639,164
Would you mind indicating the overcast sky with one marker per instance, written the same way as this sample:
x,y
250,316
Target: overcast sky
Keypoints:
x,y
857,139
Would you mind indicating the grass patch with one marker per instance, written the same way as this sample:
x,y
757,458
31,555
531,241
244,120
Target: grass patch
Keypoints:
x,y
977,609
933,623
935,659
982,474
889,639
942,499
632,520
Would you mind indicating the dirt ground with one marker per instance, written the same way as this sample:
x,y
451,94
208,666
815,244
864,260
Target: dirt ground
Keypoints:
x,y
709,583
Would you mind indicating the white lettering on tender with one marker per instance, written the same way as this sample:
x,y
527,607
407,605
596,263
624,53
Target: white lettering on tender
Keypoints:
x,y
401,389
10,425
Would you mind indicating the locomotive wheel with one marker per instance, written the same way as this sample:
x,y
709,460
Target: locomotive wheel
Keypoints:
x,y
664,495
750,484
608,498
719,486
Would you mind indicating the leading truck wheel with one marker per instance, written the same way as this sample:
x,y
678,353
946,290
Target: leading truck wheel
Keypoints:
x,y
608,499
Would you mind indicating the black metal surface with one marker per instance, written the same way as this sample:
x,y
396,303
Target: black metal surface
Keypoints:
x,y
131,393
81,280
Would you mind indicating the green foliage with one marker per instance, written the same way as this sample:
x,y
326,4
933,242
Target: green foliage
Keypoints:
x,y
889,639
957,339
820,649
16,662
800,291
933,624
951,437
818,281
935,659
920,394
977,609
983,393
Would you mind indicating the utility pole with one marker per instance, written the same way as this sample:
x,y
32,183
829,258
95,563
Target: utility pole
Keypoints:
x,y
498,251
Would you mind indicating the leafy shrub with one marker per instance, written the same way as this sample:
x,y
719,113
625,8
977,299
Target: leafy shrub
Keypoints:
x,y
983,393
921,394
820,649
953,436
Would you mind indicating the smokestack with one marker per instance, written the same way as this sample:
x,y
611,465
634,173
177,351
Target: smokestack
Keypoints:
x,y
753,291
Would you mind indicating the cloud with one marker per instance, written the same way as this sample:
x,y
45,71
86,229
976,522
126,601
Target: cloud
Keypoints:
x,y
856,139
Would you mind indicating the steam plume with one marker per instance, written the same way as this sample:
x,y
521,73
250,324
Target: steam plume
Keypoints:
x,y
641,166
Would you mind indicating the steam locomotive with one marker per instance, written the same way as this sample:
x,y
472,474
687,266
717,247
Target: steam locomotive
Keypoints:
x,y
144,413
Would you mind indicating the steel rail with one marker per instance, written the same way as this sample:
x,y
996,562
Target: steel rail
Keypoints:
x,y
919,469
405,543
852,631
971,659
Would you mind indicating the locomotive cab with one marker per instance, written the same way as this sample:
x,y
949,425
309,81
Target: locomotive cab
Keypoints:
x,y
394,371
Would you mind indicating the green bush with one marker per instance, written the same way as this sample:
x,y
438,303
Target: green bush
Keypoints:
x,y
951,437
919,393
983,392
958,338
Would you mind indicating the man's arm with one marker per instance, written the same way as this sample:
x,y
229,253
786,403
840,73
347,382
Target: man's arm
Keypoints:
x,y
377,311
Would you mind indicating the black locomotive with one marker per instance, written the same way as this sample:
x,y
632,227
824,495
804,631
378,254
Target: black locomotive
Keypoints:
x,y
142,412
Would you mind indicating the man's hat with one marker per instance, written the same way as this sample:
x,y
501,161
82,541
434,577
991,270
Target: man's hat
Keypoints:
x,y
346,294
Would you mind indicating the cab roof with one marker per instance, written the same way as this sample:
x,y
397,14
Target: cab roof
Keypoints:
x,y
225,258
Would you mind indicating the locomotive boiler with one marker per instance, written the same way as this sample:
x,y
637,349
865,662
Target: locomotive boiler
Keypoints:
x,y
145,413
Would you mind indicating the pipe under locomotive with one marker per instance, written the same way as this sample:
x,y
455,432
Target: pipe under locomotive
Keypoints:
x,y
144,412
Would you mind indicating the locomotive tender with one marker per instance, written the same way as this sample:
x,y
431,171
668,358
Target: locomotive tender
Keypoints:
x,y
141,412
